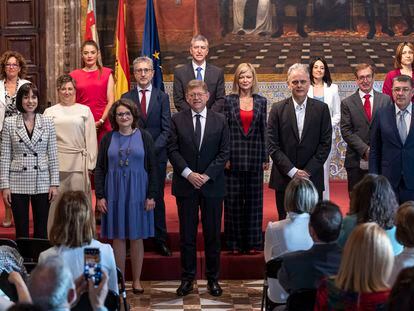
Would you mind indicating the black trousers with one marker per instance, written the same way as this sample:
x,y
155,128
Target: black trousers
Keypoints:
x,y
300,5
402,193
369,7
355,174
40,208
188,214
159,211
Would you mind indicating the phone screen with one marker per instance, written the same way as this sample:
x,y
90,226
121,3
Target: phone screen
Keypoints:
x,y
92,268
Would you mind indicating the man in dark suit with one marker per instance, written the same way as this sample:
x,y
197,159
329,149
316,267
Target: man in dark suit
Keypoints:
x,y
155,117
392,140
301,6
357,113
198,149
299,137
304,269
201,70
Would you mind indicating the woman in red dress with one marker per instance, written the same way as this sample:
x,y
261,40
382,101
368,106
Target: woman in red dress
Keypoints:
x,y
95,87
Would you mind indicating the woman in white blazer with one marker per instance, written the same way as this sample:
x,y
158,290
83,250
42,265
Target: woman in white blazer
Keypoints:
x,y
29,169
324,90
12,71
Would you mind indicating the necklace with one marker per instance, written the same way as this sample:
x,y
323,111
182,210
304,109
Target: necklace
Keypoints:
x,y
15,90
125,162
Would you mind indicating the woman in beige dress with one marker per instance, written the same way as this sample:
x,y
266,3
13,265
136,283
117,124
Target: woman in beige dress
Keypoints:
x,y
76,140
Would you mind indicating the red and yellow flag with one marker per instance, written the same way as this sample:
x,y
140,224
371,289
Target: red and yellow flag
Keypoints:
x,y
121,54
90,26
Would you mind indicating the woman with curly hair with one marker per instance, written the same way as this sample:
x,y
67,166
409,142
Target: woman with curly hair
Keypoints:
x,y
372,200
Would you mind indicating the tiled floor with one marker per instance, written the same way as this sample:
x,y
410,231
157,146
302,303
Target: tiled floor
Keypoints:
x,y
160,295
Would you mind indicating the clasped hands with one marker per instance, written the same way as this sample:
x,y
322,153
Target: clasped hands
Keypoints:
x,y
301,174
197,180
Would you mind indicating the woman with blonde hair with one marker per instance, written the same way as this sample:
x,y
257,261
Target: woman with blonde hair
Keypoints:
x,y
72,231
290,234
245,111
362,279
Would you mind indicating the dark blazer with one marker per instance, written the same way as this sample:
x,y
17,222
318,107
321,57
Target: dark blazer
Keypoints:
x,y
210,159
214,78
158,119
304,269
150,165
388,155
355,125
288,151
248,151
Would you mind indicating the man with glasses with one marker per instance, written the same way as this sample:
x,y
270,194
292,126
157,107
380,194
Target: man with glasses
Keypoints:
x,y
201,70
155,117
299,137
198,149
357,113
392,140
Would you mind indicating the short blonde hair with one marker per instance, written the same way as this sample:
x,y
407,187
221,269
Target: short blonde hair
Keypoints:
x,y
301,196
242,68
404,221
74,222
367,260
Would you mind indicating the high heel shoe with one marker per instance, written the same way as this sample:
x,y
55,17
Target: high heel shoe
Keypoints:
x,y
137,291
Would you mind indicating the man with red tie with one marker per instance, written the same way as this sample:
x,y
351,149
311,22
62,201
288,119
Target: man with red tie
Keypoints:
x,y
357,113
155,117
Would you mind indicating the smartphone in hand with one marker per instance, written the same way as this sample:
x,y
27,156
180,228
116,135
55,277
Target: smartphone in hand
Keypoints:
x,y
92,268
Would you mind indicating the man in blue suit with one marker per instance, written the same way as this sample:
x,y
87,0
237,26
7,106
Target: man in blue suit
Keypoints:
x,y
392,140
155,117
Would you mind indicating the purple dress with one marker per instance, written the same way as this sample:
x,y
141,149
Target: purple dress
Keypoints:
x,y
125,189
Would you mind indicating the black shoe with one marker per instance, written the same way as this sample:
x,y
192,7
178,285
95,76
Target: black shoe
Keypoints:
x,y
302,33
277,34
388,31
163,249
185,288
371,33
241,32
408,31
214,288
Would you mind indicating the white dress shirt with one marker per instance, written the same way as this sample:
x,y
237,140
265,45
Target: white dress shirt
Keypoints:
x,y
371,98
407,116
147,95
187,171
203,69
404,260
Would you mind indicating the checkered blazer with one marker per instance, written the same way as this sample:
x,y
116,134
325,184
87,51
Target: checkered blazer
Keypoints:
x,y
29,166
248,151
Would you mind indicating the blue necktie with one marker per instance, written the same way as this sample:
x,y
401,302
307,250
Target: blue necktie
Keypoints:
x,y
199,77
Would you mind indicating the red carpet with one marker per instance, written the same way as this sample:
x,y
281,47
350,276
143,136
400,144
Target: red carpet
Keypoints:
x,y
232,266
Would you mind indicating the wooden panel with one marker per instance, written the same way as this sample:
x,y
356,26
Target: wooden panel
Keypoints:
x,y
20,13
26,45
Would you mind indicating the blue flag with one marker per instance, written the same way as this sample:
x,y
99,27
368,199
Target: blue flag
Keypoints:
x,y
151,44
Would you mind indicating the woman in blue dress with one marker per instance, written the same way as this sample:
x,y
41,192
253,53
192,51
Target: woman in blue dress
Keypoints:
x,y
126,185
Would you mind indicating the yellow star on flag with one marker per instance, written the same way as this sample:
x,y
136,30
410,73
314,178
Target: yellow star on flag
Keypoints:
x,y
156,55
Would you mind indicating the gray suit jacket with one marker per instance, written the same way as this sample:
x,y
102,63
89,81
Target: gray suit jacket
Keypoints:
x,y
355,126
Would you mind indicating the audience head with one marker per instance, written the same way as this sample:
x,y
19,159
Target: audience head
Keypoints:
x,y
325,222
143,71
120,109
28,95
74,223
404,221
318,68
301,196
245,78
402,91
51,284
364,74
402,293
197,95
367,260
199,49
12,63
373,200
90,54
404,55
298,81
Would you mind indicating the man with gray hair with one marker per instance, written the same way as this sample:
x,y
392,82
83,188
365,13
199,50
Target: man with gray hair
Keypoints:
x,y
299,137
155,117
51,287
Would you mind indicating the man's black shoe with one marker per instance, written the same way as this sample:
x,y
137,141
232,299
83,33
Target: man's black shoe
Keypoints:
x,y
408,31
185,288
214,288
371,33
163,249
277,34
388,31
302,33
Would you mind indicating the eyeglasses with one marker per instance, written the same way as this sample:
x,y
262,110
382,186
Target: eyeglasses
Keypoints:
x,y
297,82
123,114
365,78
194,95
401,89
142,70
12,65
